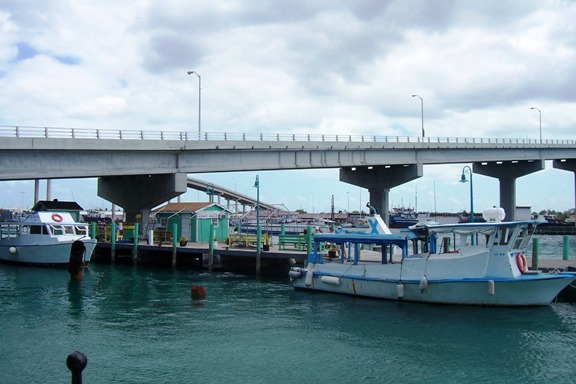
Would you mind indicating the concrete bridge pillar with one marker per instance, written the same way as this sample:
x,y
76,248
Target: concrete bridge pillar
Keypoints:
x,y
567,165
379,180
507,172
138,194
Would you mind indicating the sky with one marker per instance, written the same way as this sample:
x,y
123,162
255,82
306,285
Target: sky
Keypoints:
x,y
318,67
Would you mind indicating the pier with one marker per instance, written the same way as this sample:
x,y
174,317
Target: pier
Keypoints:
x,y
198,255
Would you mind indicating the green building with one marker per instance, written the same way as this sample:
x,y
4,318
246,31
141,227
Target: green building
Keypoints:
x,y
192,221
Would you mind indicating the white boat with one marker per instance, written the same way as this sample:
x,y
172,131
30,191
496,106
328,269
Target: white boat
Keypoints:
x,y
483,265
43,238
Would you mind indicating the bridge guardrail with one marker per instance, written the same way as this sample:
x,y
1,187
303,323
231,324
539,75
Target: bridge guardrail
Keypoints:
x,y
116,134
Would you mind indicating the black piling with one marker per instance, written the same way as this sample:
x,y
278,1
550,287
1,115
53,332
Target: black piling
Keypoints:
x,y
76,362
76,261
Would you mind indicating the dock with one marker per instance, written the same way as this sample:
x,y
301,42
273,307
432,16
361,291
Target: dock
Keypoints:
x,y
198,255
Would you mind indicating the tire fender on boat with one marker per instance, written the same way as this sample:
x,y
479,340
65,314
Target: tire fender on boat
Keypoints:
x,y
521,262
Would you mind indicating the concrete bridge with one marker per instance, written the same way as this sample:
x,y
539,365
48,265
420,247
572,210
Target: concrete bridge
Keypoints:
x,y
139,170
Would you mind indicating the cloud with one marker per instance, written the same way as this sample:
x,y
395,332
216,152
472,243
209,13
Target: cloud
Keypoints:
x,y
322,67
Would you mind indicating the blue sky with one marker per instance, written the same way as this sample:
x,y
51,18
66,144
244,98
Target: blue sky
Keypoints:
x,y
315,67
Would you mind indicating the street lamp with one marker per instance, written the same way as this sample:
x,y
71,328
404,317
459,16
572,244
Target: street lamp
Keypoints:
x,y
258,231
468,170
348,210
540,115
199,99
210,191
422,109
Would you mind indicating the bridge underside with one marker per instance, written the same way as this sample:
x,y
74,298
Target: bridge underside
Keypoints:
x,y
138,194
567,165
507,172
379,180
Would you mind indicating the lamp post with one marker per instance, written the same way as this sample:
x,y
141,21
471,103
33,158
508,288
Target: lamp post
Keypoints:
x,y
210,191
540,115
258,231
422,110
199,99
348,210
468,170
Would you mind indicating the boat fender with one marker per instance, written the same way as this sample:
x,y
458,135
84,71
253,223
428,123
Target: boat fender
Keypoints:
x,y
295,273
521,262
423,284
12,250
330,280
400,291
309,275
491,287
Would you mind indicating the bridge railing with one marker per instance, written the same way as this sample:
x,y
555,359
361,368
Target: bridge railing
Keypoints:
x,y
123,134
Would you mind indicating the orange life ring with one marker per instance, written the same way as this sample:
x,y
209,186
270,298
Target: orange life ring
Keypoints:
x,y
57,217
521,262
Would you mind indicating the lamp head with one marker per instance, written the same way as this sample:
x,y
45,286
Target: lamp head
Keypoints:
x,y
463,178
190,72
257,183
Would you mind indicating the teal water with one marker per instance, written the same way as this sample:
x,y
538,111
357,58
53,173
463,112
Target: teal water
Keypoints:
x,y
139,325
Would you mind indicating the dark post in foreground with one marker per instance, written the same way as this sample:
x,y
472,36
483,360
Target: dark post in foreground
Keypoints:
x,y
76,362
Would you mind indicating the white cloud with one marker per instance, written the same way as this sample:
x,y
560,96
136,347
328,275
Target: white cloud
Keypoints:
x,y
320,68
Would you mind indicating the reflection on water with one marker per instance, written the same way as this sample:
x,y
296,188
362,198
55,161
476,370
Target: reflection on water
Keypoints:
x,y
138,324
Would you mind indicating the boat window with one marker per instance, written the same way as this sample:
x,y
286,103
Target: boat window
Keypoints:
x,y
57,230
35,229
81,229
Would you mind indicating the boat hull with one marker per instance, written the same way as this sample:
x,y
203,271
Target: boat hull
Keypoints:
x,y
43,253
527,290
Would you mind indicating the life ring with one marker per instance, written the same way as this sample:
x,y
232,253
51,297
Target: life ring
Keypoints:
x,y
57,217
521,262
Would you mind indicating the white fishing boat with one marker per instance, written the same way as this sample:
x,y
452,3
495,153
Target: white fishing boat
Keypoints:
x,y
469,264
44,238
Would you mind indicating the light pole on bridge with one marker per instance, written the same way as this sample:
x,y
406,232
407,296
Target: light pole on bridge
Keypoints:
x,y
199,99
422,110
540,116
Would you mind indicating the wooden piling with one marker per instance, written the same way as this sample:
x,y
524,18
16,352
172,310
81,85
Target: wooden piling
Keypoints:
x,y
174,243
113,242
135,250
535,250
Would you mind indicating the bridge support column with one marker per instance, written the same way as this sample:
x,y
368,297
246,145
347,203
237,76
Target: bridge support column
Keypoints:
x,y
379,180
567,165
140,193
507,172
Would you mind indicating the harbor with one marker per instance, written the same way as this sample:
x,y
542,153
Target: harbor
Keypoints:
x,y
139,324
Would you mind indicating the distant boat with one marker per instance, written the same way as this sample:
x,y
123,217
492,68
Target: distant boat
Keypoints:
x,y
485,265
43,238
403,217
289,227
